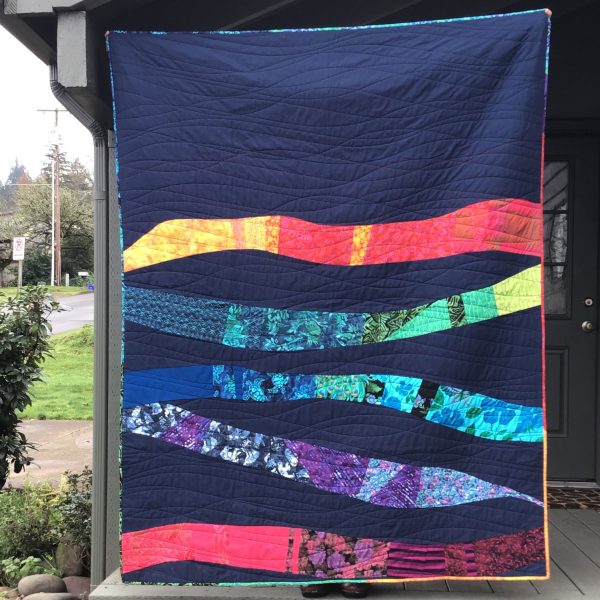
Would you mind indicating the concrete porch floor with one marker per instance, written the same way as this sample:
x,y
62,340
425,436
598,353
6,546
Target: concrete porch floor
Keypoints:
x,y
575,574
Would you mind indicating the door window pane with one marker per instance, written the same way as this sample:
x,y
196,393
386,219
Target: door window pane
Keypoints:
x,y
555,237
556,228
555,290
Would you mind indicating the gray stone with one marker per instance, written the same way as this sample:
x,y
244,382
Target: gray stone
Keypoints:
x,y
69,559
41,583
78,586
51,596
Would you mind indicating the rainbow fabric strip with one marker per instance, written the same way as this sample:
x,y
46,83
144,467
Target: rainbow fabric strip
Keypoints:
x,y
372,480
275,329
321,554
473,413
508,225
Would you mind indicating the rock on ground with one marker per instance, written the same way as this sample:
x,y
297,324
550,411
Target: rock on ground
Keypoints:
x,y
51,596
41,583
68,559
78,586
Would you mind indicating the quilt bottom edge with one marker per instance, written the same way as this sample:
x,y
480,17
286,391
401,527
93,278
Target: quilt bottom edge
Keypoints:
x,y
338,581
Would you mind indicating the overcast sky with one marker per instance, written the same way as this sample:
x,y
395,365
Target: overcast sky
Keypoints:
x,y
24,132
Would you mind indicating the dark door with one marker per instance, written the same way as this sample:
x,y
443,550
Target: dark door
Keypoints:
x,y
571,304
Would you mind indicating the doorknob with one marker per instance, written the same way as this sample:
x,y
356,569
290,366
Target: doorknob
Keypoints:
x,y
587,326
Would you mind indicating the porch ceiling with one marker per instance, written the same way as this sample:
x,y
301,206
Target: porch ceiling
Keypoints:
x,y
48,27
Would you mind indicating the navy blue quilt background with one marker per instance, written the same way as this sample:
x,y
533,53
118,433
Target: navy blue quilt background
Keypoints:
x,y
353,126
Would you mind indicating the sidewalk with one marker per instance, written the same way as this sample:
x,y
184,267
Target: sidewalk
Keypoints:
x,y
61,446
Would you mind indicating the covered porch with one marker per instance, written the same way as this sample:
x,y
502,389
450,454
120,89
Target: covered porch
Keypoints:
x,y
575,573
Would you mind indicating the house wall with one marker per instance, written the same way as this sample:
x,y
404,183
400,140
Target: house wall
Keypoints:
x,y
575,50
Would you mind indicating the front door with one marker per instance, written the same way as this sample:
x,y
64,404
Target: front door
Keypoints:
x,y
571,304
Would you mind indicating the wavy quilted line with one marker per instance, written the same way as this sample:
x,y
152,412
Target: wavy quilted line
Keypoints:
x,y
274,329
372,480
324,555
470,412
508,225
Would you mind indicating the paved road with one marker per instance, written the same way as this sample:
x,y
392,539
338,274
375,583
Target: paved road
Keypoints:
x,y
79,311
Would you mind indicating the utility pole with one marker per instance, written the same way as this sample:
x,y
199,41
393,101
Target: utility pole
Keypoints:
x,y
56,264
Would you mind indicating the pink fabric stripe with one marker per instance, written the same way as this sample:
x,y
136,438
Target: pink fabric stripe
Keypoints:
x,y
251,547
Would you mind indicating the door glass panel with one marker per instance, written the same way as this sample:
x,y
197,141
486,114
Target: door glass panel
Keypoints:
x,y
556,228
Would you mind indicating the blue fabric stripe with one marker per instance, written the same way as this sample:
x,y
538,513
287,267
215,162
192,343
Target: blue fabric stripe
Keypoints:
x,y
446,406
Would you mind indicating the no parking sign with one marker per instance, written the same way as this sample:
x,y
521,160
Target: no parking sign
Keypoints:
x,y
19,248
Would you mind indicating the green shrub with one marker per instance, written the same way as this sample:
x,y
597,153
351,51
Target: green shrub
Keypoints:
x,y
24,344
75,509
82,281
33,520
29,521
13,569
36,267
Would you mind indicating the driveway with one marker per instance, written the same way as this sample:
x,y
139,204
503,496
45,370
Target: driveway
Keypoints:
x,y
61,446
79,311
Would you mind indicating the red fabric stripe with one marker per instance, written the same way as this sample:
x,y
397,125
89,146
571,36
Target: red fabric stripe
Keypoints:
x,y
508,225
505,225
252,547
313,242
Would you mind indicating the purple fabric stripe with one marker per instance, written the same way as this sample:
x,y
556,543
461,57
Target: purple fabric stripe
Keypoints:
x,y
332,470
188,433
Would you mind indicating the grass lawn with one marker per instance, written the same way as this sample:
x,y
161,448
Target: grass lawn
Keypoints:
x,y
59,290
66,392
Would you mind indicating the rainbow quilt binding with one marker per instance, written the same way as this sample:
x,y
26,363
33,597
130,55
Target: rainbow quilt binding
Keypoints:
x,y
333,322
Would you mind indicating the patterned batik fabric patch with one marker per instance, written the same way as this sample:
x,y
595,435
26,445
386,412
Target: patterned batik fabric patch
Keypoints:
x,y
327,555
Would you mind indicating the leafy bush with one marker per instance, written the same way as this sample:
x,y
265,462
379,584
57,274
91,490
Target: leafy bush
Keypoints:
x,y
75,510
29,521
24,332
13,569
33,521
36,267
82,281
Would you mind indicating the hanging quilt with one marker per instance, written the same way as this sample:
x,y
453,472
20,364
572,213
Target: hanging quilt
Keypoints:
x,y
332,320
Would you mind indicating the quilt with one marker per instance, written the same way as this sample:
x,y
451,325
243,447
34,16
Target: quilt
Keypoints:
x,y
332,302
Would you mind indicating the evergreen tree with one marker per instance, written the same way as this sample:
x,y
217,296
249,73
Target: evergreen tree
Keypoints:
x,y
8,192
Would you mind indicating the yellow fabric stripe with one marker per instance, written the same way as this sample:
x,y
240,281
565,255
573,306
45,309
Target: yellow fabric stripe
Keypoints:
x,y
185,237
360,241
519,292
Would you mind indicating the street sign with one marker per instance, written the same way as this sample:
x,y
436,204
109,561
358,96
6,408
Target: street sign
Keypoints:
x,y
19,248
